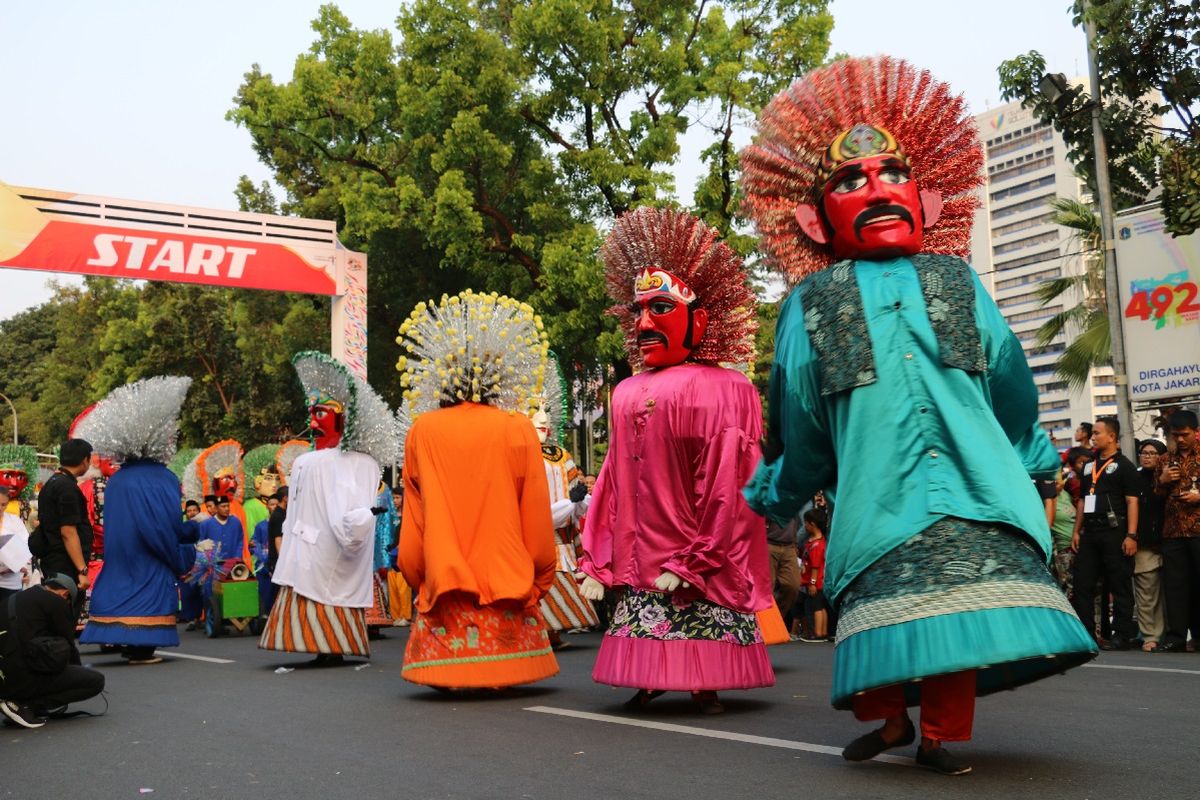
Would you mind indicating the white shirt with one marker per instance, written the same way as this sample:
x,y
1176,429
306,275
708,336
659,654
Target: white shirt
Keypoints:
x,y
562,510
14,550
327,552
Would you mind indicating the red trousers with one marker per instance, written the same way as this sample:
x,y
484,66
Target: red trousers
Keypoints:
x,y
947,705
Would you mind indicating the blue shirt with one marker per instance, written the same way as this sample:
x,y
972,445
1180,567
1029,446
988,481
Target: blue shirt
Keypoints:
x,y
229,538
924,441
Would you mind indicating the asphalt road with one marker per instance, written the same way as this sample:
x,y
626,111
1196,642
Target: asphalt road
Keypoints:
x,y
1125,727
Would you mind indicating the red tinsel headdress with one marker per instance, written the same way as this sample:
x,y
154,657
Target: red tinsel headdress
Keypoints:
x,y
781,169
679,243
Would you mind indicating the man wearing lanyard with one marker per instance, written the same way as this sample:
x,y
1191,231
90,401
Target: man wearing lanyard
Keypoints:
x,y
1105,536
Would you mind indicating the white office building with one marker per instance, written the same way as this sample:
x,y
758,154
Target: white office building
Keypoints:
x,y
1014,247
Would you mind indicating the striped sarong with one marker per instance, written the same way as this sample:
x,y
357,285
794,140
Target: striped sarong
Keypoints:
x,y
300,625
564,607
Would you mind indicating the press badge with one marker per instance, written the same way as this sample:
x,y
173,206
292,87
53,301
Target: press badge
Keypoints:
x,y
1089,504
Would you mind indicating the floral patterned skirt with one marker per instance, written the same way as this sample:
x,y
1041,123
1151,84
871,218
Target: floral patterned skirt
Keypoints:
x,y
657,641
459,644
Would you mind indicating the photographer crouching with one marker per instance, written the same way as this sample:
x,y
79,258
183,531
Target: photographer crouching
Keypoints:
x,y
40,666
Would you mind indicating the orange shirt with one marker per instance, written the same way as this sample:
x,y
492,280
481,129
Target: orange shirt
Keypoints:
x,y
476,507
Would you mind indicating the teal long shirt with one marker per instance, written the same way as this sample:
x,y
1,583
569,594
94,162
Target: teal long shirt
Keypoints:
x,y
924,441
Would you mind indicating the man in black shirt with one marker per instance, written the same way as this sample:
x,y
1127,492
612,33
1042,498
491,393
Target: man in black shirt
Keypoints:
x,y
1106,534
27,694
62,510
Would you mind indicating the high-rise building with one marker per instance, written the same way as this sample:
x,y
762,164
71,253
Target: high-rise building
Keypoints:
x,y
1015,247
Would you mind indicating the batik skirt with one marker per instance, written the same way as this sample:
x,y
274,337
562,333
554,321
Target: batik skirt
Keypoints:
x,y
960,595
300,625
657,641
380,612
459,644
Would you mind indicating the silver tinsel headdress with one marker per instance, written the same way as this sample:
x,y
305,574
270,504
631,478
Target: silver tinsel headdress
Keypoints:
x,y
403,423
139,420
481,348
180,461
287,454
370,424
189,481
555,395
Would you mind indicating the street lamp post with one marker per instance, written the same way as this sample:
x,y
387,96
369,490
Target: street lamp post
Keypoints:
x,y
1054,88
14,413
1108,243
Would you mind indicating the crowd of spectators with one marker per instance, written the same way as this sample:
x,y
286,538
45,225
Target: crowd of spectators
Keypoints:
x,y
1127,535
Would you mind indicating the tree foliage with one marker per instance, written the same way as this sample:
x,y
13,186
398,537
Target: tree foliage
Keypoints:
x,y
1086,321
235,344
1148,54
494,140
482,143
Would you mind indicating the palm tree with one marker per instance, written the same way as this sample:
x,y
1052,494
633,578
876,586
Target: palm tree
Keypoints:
x,y
1092,344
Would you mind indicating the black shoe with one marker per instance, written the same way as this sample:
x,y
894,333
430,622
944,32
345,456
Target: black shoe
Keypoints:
x,y
939,759
1115,643
642,699
1170,647
21,715
869,745
709,702
327,660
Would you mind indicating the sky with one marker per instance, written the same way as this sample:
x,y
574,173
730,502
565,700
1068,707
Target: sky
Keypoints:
x,y
128,99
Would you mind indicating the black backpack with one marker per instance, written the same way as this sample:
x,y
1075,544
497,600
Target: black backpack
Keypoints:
x,y
45,655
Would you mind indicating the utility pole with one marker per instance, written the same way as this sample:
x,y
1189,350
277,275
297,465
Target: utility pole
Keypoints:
x,y
14,413
1108,244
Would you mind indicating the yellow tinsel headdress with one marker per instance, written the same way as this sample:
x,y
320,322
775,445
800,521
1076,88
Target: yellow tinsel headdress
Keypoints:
x,y
472,347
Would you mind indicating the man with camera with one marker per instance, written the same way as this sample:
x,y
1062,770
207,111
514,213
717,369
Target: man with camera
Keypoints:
x,y
1105,535
1179,479
38,658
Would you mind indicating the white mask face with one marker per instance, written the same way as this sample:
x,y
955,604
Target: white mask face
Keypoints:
x,y
541,422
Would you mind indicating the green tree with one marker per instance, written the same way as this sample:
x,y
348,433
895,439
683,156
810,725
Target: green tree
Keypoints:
x,y
1148,53
80,369
496,139
28,344
1084,322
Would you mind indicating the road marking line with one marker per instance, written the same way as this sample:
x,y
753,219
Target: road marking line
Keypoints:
x,y
1144,669
766,741
209,659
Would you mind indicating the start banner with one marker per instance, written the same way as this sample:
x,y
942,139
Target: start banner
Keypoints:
x,y
59,232
1160,299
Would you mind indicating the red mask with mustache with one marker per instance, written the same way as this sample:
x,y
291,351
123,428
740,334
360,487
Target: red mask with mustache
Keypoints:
x,y
226,485
15,479
667,323
326,424
871,207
